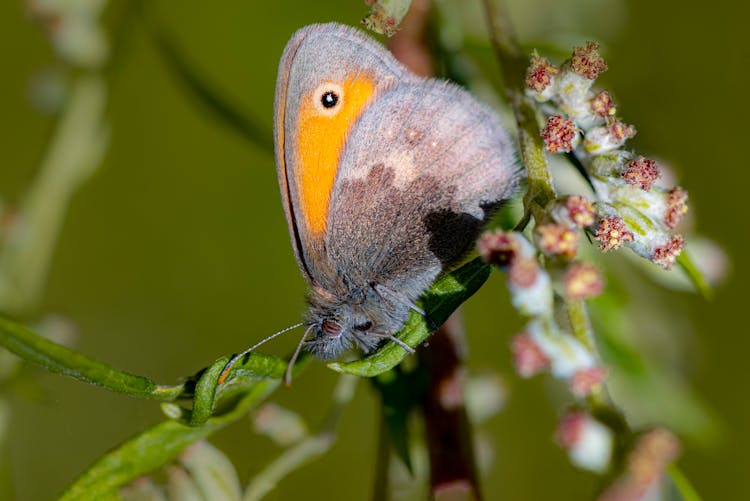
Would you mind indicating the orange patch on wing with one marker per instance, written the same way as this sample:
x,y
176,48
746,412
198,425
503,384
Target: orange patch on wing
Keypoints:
x,y
321,137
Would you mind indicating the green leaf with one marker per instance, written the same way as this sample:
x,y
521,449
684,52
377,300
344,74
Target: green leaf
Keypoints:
x,y
157,445
246,371
62,360
439,302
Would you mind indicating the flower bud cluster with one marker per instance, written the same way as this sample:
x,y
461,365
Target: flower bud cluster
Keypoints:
x,y
630,209
73,28
544,345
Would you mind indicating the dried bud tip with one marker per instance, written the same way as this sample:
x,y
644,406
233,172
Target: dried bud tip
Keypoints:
x,y
582,280
528,357
580,210
498,247
602,105
557,239
587,61
666,255
641,173
584,381
612,233
676,207
559,134
523,272
540,72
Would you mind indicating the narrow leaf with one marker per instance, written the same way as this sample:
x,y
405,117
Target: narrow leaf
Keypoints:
x,y
244,373
439,302
62,360
155,446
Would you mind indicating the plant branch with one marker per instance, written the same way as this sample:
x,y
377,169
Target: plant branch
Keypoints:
x,y
512,67
453,473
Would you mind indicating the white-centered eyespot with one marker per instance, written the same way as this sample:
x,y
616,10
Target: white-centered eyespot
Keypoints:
x,y
328,98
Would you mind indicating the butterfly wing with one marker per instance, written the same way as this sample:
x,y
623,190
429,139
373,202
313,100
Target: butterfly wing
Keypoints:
x,y
422,170
319,63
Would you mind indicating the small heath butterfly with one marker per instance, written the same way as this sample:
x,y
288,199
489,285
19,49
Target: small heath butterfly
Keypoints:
x,y
386,180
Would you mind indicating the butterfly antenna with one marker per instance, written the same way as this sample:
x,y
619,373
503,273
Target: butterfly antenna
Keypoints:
x,y
233,360
295,355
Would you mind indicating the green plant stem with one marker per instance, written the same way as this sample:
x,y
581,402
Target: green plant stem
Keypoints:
x,y
683,485
308,448
512,63
581,328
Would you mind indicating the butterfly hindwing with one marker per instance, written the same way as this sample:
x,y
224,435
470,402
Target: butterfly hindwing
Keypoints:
x,y
422,169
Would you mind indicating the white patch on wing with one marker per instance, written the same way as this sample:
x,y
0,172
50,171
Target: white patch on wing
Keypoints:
x,y
404,167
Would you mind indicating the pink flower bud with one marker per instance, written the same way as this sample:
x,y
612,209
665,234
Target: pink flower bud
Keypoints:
x,y
540,73
560,134
498,247
602,105
588,442
528,357
612,233
584,381
641,172
582,280
676,207
557,239
587,61
523,272
580,210
666,255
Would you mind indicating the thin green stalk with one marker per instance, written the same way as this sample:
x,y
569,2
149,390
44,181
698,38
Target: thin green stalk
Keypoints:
x,y
307,449
683,485
512,62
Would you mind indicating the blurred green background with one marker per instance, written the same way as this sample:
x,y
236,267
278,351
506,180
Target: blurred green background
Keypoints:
x,y
176,251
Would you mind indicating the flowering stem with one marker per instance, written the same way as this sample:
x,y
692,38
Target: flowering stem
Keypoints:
x,y
513,66
581,328
579,323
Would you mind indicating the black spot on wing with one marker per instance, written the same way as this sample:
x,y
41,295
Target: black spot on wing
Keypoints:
x,y
453,234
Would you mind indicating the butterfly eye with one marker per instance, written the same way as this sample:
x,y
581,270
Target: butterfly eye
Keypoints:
x,y
330,327
329,99
363,327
